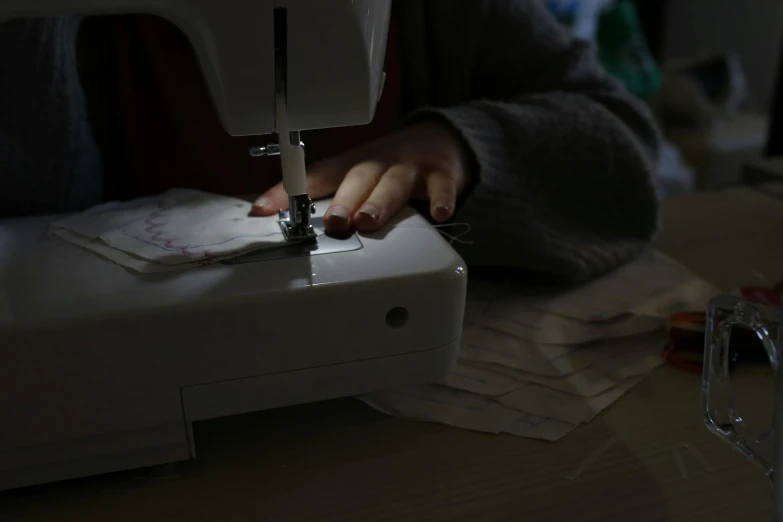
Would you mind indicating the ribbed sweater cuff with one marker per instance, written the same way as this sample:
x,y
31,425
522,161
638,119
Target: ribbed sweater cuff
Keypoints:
x,y
484,140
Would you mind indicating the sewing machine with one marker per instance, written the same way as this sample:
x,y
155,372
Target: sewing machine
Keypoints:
x,y
103,370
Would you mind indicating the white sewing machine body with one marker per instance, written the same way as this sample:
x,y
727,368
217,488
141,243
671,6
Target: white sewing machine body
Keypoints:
x,y
334,55
105,370
102,370
271,66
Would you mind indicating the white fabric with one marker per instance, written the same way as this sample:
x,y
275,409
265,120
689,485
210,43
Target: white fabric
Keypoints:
x,y
178,230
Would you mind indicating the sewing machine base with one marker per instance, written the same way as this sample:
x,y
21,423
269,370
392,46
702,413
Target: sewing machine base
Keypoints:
x,y
104,370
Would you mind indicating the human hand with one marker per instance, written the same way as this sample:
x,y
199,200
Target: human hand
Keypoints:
x,y
371,183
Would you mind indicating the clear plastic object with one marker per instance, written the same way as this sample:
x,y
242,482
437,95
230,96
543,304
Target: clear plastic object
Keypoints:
x,y
721,415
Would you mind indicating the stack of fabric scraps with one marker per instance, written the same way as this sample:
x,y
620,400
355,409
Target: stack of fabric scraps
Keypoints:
x,y
178,230
539,364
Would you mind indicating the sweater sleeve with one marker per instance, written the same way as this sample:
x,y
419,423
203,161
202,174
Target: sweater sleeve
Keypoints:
x,y
564,156
49,161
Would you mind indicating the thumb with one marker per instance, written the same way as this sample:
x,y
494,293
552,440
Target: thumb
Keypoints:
x,y
323,179
270,201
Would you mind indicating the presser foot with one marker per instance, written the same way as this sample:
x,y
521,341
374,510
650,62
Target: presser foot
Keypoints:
x,y
293,232
296,223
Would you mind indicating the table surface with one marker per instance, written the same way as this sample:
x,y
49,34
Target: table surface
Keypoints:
x,y
341,461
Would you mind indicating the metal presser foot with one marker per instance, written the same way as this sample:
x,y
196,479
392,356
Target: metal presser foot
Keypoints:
x,y
296,224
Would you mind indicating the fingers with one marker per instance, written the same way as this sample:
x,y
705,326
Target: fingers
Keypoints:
x,y
357,186
442,192
390,194
368,196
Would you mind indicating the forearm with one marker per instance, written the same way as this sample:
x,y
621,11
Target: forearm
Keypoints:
x,y
563,181
564,158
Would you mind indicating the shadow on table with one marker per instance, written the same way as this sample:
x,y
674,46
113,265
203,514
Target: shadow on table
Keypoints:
x,y
340,460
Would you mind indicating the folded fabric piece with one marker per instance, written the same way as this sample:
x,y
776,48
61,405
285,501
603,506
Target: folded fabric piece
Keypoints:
x,y
433,403
178,230
521,321
484,345
495,399
616,363
564,407
652,284
461,409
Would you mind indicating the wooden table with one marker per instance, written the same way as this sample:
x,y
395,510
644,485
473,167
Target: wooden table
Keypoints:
x,y
341,461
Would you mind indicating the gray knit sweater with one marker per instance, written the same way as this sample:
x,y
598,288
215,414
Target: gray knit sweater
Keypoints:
x,y
564,157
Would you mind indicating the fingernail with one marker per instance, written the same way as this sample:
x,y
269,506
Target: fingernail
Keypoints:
x,y
441,211
370,212
337,216
262,202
